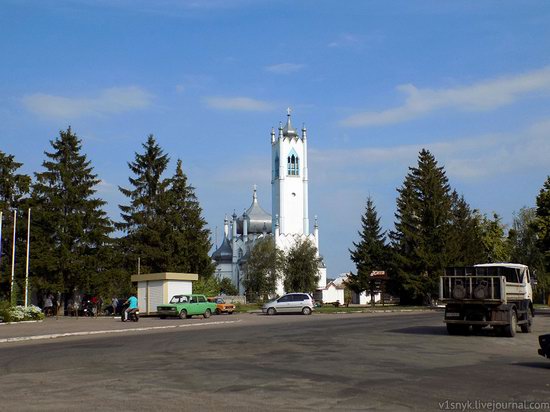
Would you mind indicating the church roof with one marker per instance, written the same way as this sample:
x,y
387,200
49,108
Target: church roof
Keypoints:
x,y
258,220
223,253
288,130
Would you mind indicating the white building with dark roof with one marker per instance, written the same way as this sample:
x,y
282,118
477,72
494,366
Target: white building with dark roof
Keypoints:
x,y
290,223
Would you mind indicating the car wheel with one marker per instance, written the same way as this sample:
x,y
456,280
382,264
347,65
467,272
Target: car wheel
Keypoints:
x,y
230,313
218,311
183,314
271,311
207,313
163,317
306,311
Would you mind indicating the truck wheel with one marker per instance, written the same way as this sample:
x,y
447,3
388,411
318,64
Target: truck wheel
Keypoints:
x,y
527,327
477,328
510,330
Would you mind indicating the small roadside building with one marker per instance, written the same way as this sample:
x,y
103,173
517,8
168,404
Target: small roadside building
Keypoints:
x,y
362,298
331,293
155,289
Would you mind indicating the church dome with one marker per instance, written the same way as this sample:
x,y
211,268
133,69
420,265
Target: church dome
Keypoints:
x,y
258,220
224,253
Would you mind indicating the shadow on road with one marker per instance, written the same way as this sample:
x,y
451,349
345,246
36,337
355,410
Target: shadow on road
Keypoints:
x,y
536,365
422,330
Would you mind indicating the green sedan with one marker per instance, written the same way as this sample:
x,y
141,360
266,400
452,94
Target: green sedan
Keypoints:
x,y
185,306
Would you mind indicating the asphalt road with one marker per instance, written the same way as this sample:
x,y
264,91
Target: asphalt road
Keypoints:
x,y
380,362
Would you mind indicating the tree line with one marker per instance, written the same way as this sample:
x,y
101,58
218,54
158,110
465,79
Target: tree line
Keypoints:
x,y
75,246
436,228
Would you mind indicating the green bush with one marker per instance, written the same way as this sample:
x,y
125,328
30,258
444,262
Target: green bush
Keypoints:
x,y
19,313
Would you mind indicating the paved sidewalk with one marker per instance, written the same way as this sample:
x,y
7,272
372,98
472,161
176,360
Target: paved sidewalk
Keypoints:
x,y
51,328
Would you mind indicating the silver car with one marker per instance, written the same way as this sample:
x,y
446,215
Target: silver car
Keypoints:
x,y
290,303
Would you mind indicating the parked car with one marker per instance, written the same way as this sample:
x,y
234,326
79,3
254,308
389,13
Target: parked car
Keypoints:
x,y
185,306
221,306
544,342
290,303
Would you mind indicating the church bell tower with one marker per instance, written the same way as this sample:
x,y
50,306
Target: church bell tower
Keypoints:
x,y
289,181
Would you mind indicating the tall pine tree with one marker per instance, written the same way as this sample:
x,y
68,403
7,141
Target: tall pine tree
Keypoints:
x,y
466,234
14,189
542,227
69,229
370,253
144,219
422,230
189,238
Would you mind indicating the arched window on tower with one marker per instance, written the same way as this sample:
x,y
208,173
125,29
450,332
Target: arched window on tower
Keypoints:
x,y
293,164
276,171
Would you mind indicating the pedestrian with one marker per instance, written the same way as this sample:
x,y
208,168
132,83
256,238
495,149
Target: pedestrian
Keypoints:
x,y
48,304
93,302
114,304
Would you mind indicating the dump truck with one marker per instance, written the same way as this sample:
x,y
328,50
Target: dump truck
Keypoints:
x,y
499,295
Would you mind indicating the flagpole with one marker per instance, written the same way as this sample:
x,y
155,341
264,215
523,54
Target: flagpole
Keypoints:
x,y
27,264
13,257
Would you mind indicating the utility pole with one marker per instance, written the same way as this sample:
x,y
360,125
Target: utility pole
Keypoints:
x,y
27,264
13,257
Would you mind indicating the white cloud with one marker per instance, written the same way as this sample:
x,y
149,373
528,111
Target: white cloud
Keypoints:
x,y
105,187
345,40
238,103
284,68
469,159
109,101
486,95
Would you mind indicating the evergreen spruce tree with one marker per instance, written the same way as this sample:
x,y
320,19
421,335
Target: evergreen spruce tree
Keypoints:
x,y
465,243
189,239
144,219
302,268
495,246
69,229
542,228
14,189
422,231
370,253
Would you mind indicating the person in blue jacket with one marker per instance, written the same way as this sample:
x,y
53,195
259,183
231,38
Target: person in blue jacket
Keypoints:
x,y
132,304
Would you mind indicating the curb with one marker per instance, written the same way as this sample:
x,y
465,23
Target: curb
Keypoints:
x,y
21,322
100,332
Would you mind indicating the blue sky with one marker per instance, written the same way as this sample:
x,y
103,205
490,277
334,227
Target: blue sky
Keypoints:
x,y
374,82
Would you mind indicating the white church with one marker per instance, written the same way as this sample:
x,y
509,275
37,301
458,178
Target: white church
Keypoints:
x,y
289,205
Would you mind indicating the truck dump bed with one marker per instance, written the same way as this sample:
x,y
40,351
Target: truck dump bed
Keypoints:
x,y
488,284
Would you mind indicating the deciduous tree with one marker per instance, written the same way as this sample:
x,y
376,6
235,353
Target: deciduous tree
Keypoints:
x,y
263,269
302,267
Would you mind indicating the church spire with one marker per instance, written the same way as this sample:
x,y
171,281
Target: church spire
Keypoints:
x,y
288,131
